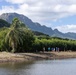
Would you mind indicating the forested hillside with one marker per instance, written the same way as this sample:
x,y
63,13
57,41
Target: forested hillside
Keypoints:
x,y
4,23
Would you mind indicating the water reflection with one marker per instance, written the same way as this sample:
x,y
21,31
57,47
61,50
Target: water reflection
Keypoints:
x,y
44,67
15,68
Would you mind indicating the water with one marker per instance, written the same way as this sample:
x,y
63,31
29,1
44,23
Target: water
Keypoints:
x,y
44,67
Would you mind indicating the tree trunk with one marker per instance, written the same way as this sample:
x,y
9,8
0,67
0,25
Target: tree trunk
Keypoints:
x,y
13,47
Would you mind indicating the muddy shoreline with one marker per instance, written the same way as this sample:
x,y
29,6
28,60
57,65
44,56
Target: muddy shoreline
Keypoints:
x,y
24,57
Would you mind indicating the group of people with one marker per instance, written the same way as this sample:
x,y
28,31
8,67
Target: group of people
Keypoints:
x,y
51,49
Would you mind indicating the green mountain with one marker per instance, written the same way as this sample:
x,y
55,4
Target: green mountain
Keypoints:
x,y
30,24
36,26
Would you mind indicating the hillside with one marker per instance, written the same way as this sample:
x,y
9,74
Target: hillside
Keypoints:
x,y
39,33
36,26
4,23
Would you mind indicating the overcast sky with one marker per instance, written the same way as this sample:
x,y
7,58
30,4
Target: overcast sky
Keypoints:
x,y
60,14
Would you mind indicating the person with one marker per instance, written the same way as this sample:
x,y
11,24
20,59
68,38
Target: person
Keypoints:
x,y
43,49
53,49
48,48
36,50
56,49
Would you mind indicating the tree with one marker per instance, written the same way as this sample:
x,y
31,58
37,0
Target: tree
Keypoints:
x,y
3,32
17,34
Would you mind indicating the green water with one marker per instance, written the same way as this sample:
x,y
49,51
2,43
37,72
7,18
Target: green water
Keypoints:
x,y
44,67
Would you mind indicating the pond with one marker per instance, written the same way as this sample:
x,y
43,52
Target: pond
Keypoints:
x,y
42,67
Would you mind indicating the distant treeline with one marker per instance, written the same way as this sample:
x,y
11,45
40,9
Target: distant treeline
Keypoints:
x,y
53,42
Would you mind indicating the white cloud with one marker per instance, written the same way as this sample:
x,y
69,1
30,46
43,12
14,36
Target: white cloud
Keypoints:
x,y
43,13
47,2
45,10
67,28
16,1
6,9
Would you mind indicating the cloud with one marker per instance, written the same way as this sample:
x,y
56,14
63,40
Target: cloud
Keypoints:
x,y
15,1
7,9
48,2
45,10
67,28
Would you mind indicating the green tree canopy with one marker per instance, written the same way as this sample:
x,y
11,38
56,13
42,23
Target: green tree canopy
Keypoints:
x,y
18,36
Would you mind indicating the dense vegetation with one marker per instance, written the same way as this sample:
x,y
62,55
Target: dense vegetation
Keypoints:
x,y
19,38
16,38
4,23
62,44
39,33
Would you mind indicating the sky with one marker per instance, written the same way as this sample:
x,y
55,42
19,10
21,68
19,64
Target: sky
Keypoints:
x,y
60,14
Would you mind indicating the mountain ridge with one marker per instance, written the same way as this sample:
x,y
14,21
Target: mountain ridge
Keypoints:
x,y
35,26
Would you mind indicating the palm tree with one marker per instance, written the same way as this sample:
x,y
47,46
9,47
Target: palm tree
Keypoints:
x,y
19,35
14,36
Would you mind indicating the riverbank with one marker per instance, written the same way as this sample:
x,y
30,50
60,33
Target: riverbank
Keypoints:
x,y
20,57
